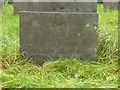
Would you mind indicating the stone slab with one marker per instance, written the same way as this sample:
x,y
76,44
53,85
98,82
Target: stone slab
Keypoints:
x,y
8,0
45,35
110,5
100,1
55,6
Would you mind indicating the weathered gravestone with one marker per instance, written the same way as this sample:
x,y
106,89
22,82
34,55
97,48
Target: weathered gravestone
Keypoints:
x,y
100,1
55,6
9,1
110,4
45,35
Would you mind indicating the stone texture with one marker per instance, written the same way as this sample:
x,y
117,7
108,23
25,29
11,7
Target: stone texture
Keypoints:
x,y
8,0
100,1
45,35
11,2
110,5
55,6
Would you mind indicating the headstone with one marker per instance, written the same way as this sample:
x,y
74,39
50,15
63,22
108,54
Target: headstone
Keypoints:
x,y
110,5
100,1
45,35
89,7
10,1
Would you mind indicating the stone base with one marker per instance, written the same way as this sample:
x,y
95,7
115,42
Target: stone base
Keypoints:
x,y
45,35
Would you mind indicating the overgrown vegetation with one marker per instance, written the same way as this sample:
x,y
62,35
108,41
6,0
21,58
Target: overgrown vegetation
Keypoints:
x,y
17,72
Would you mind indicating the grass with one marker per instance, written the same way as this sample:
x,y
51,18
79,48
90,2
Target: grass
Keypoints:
x,y
18,72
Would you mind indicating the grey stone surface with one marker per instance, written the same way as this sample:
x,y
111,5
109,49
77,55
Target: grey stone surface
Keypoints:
x,y
55,6
100,0
110,5
45,35
8,0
